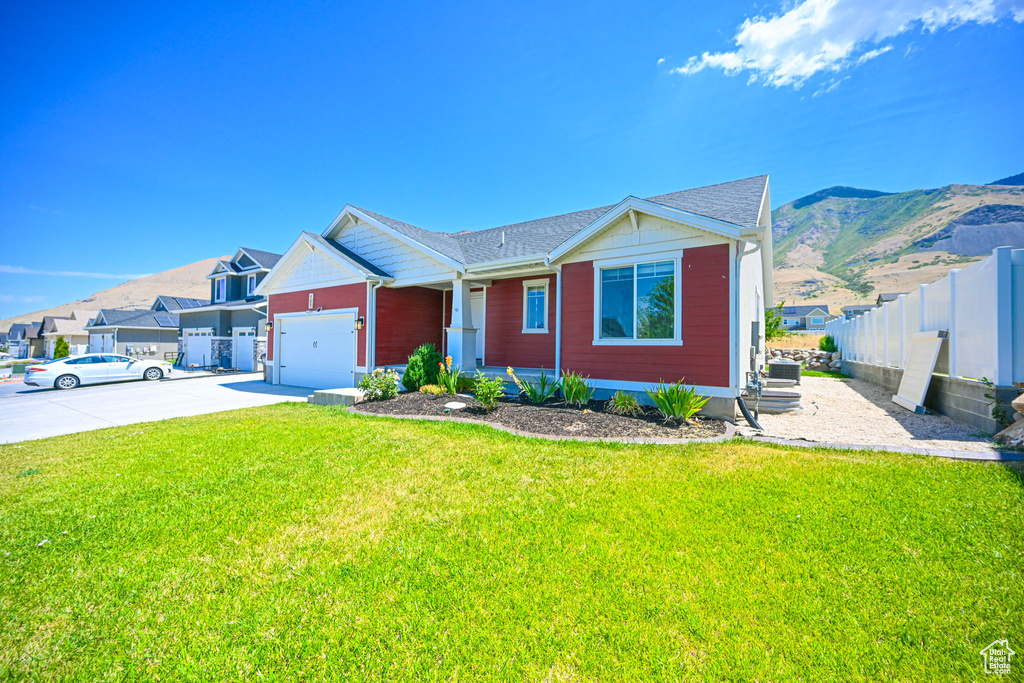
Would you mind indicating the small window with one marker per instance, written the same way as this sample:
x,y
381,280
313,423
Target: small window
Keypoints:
x,y
535,306
222,288
250,286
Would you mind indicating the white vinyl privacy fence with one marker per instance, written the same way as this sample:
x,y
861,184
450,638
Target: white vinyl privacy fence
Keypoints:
x,y
981,307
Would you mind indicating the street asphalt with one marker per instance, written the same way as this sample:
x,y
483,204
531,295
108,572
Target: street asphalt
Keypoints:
x,y
32,413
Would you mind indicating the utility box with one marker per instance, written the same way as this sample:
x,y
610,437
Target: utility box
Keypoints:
x,y
784,369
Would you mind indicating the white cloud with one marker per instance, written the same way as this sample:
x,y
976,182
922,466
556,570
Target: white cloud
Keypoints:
x,y
19,270
661,61
827,36
18,299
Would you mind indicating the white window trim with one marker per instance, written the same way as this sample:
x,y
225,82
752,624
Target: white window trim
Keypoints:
x,y
250,285
545,283
221,289
816,321
677,259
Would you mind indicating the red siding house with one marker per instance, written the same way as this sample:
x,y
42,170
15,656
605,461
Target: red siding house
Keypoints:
x,y
661,289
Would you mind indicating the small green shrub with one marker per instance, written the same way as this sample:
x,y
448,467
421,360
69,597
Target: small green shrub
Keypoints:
x,y
61,349
448,376
827,343
576,390
379,385
488,391
421,367
773,328
623,403
431,389
676,401
536,392
465,384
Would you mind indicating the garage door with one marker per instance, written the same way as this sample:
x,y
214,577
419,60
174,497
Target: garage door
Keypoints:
x,y
198,348
317,351
244,341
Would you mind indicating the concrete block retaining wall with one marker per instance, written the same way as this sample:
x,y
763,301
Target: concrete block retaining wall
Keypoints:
x,y
961,399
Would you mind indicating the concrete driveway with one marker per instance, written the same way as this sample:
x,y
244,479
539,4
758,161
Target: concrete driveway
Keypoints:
x,y
30,413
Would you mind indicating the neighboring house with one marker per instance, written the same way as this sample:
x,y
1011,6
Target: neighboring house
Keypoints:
x,y
3,340
140,333
24,340
666,288
850,312
885,298
809,318
230,330
72,329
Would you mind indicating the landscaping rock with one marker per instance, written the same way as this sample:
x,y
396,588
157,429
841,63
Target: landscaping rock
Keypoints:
x,y
1012,436
1017,417
1018,404
836,364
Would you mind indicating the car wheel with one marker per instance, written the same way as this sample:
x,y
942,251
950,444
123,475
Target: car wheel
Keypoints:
x,y
66,382
153,373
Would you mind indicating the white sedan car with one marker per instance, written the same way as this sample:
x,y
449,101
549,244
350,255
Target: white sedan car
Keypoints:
x,y
93,368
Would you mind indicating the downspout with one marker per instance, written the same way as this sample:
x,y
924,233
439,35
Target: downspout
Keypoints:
x,y
371,327
558,315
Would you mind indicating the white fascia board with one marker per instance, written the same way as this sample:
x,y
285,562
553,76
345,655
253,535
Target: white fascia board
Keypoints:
x,y
351,211
716,227
217,270
514,262
304,242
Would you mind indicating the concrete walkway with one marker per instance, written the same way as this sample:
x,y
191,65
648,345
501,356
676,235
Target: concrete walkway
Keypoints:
x,y
41,413
852,413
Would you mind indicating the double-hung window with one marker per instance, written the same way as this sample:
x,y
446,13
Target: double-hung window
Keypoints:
x,y
638,302
222,288
535,306
250,285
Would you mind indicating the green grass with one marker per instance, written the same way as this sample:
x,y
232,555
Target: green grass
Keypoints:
x,y
299,542
823,373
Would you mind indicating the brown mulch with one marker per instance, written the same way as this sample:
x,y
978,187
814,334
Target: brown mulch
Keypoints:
x,y
553,418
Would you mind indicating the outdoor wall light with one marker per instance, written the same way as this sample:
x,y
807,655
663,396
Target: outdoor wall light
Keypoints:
x,y
270,324
360,321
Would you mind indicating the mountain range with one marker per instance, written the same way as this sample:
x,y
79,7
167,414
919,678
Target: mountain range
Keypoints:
x,y
845,245
186,281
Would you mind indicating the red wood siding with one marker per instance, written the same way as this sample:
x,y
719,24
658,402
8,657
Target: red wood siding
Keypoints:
x,y
702,359
406,318
504,341
340,296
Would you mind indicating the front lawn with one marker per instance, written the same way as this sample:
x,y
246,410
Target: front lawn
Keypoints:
x,y
304,542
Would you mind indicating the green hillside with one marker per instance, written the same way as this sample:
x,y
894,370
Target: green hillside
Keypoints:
x,y
847,233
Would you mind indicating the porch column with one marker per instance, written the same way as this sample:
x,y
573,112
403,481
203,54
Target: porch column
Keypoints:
x,y
462,334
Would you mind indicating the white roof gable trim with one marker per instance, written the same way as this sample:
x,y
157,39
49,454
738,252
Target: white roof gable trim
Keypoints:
x,y
712,225
298,248
359,217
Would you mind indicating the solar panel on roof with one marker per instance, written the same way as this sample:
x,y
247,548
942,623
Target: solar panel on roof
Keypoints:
x,y
166,321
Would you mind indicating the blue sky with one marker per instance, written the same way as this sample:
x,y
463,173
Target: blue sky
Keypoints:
x,y
139,138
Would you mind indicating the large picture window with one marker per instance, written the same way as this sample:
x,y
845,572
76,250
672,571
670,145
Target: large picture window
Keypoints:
x,y
639,302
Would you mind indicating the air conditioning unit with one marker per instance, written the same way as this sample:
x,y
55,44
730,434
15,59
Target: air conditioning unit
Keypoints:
x,y
784,369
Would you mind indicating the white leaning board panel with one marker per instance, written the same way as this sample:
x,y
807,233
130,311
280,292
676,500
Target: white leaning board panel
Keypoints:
x,y
924,352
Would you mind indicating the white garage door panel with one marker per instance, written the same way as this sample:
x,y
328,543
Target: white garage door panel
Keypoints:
x,y
318,351
198,349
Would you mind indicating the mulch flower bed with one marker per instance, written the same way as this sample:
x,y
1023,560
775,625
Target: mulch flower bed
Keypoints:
x,y
553,418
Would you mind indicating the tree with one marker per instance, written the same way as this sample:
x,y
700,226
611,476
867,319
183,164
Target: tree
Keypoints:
x,y
61,348
657,317
773,328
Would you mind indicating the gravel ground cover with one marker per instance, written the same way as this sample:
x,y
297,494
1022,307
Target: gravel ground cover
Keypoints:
x,y
853,411
555,419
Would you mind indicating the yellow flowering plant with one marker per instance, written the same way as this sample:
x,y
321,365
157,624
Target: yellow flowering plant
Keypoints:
x,y
448,376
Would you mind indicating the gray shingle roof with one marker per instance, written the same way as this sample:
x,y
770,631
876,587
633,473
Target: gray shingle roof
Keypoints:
x,y
737,202
800,311
134,317
264,258
441,242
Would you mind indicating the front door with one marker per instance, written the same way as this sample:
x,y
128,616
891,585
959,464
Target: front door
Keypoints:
x,y
244,340
476,307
